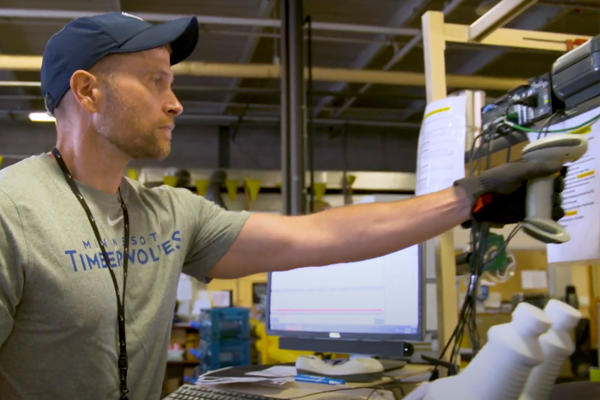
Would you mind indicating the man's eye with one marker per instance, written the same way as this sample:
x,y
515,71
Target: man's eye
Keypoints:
x,y
160,81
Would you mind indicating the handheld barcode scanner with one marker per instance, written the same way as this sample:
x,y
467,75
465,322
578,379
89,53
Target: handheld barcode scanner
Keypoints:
x,y
538,222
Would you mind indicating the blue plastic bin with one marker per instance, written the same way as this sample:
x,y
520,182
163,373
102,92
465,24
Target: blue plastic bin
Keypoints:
x,y
224,323
222,353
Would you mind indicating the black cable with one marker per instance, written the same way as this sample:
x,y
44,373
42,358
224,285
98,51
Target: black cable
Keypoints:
x,y
488,162
479,259
401,391
562,130
456,337
372,393
474,284
546,127
454,334
472,153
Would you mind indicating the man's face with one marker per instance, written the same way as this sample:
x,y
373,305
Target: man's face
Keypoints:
x,y
137,108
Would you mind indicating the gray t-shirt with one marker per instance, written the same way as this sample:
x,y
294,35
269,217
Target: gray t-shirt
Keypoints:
x,y
58,313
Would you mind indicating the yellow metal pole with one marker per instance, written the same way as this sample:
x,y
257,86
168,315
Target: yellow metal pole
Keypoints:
x,y
445,266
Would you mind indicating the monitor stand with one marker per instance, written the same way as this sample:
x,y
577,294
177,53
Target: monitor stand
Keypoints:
x,y
357,369
391,364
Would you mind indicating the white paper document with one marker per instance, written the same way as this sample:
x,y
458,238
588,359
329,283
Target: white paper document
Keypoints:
x,y
534,279
184,288
277,371
580,199
219,298
278,375
441,149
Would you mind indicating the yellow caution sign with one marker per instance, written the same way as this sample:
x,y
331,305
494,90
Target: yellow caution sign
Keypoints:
x,y
201,186
319,190
132,173
1,158
253,187
169,180
232,187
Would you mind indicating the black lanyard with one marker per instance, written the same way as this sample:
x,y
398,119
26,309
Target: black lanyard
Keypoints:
x,y
122,364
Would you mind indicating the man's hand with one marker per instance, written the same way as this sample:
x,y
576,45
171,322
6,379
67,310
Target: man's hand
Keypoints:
x,y
498,194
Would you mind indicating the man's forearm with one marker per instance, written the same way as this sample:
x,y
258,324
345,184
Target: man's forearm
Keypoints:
x,y
369,230
270,242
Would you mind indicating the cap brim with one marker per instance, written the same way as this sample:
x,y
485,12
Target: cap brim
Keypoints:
x,y
181,34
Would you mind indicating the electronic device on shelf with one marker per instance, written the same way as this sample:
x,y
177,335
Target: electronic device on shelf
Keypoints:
x,y
523,105
576,74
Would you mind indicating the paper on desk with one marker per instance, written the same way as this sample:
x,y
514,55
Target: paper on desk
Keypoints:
x,y
276,376
278,371
244,379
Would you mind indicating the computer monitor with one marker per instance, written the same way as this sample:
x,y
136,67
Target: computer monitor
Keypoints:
x,y
370,307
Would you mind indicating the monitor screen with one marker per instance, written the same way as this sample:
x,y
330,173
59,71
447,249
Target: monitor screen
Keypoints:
x,y
368,307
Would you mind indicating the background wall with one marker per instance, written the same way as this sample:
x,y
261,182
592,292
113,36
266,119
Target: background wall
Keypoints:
x,y
196,145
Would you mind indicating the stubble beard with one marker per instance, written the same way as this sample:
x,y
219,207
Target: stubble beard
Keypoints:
x,y
141,144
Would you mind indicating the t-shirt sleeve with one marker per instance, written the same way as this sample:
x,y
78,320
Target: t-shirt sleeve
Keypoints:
x,y
11,264
213,232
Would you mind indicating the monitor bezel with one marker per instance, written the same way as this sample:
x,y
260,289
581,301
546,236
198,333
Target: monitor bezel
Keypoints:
x,y
351,338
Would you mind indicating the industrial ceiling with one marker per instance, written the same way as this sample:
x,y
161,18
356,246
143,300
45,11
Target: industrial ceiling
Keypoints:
x,y
378,35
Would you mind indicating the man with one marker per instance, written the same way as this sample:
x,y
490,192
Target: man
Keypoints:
x,y
90,260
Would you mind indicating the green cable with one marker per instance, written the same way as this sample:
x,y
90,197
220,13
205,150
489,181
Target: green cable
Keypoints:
x,y
525,129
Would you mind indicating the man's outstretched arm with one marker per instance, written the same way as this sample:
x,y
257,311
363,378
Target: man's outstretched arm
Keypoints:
x,y
271,242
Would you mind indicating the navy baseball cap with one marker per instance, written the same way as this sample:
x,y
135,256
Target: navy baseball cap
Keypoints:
x,y
84,41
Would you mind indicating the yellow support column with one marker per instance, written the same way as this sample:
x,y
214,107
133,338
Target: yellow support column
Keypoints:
x,y
435,80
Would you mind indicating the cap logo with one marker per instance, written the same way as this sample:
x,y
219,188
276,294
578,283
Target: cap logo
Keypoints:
x,y
126,14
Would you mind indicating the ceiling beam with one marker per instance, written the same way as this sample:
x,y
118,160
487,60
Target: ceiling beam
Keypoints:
x,y
265,8
498,16
396,58
180,90
527,39
269,71
382,40
404,13
22,114
534,21
210,20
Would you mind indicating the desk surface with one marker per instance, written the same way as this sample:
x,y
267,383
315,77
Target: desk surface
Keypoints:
x,y
406,378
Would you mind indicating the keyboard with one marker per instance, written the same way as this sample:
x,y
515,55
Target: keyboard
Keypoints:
x,y
193,392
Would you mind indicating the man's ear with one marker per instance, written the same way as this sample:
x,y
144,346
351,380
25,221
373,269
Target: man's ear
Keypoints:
x,y
85,89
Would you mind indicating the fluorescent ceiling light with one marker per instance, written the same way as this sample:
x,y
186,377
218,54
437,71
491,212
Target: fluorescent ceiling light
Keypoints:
x,y
41,117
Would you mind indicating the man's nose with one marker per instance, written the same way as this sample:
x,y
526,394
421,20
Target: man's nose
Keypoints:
x,y
174,107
